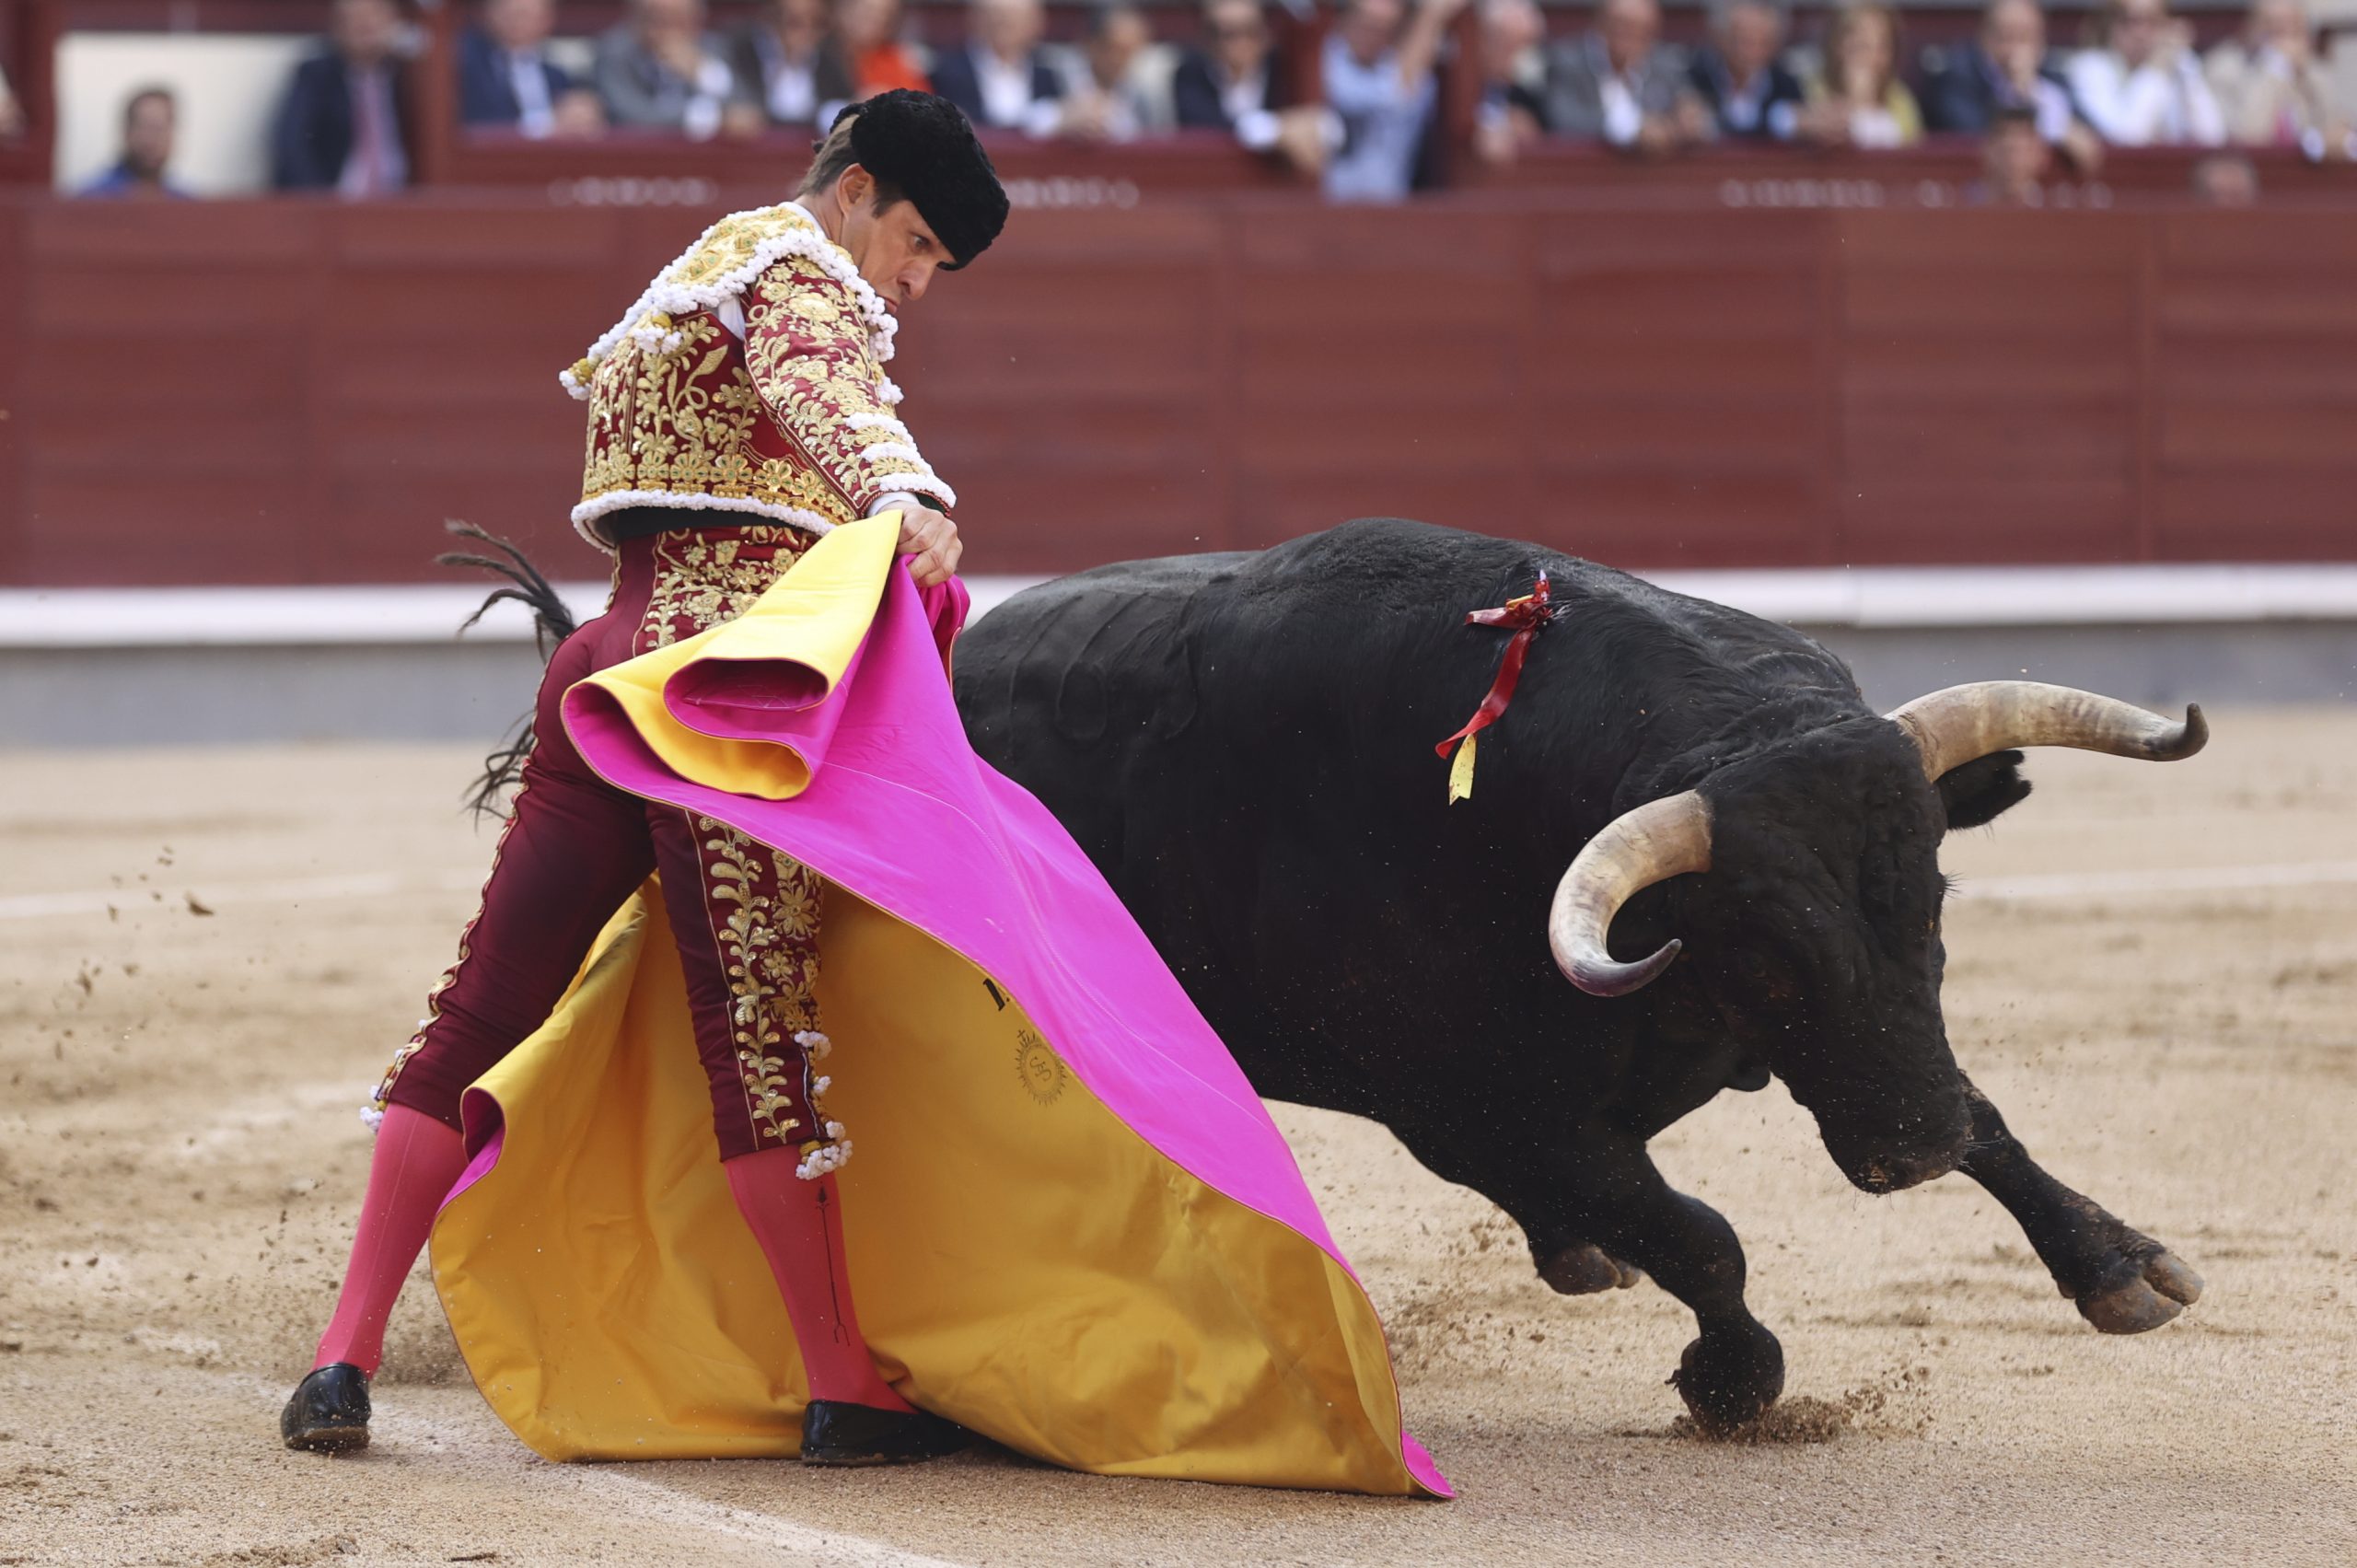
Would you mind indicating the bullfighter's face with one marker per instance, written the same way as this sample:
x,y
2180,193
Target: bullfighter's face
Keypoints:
x,y
897,252
1816,935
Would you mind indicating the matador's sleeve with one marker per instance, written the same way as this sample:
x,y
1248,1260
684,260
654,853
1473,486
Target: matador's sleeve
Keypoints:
x,y
808,348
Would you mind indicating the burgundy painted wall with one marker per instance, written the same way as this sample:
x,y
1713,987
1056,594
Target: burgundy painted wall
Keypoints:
x,y
296,391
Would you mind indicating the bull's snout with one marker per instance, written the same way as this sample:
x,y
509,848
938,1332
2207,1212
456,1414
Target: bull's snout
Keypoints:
x,y
1892,1163
1894,1173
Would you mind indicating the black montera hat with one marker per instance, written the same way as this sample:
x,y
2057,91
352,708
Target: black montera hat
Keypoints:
x,y
925,147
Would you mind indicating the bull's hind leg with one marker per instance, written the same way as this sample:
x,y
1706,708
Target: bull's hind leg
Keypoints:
x,y
1597,1201
2123,1281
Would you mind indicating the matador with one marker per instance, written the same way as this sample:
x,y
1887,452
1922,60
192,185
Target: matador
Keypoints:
x,y
737,412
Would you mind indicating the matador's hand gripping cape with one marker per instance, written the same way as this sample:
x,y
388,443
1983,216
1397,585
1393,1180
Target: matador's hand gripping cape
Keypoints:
x,y
1072,1226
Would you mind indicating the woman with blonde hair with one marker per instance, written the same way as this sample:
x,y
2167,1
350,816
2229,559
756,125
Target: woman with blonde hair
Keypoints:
x,y
1856,99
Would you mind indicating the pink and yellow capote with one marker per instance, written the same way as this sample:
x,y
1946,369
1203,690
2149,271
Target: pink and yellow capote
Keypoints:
x,y
1072,1225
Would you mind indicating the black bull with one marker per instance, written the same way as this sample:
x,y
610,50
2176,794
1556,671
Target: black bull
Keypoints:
x,y
1244,745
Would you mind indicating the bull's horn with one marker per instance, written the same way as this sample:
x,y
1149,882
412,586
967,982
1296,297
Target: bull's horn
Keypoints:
x,y
1952,727
1657,841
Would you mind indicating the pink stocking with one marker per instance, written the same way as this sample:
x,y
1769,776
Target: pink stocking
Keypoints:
x,y
418,1160
799,1225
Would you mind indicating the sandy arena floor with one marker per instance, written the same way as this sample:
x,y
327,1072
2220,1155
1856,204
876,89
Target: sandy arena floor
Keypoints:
x,y
206,957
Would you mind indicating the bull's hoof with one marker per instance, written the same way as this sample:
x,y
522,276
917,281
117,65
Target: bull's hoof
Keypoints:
x,y
2146,1300
1584,1269
1730,1376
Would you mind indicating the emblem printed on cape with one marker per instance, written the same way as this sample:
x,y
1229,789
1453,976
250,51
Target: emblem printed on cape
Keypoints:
x,y
1039,1068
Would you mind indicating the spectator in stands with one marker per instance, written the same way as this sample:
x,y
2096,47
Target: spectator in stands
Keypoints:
x,y
1377,70
2225,179
150,120
1240,83
657,66
1122,89
506,76
1620,83
1233,76
2014,157
2272,90
2005,67
2141,84
1512,112
340,126
1740,73
789,62
12,119
1002,78
868,31
1856,99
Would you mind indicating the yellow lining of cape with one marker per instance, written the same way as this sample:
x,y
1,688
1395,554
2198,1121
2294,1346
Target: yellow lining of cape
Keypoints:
x,y
1024,1262
818,622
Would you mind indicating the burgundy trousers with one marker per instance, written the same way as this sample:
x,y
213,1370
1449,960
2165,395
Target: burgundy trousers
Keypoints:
x,y
745,918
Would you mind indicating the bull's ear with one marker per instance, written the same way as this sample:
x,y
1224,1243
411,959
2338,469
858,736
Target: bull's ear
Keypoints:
x,y
1984,789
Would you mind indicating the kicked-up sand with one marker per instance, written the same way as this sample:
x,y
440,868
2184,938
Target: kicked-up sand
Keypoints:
x,y
206,956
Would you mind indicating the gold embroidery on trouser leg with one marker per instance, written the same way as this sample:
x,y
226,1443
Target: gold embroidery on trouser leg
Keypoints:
x,y
768,946
762,907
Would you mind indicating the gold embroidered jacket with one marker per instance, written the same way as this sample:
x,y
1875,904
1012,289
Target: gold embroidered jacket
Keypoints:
x,y
749,377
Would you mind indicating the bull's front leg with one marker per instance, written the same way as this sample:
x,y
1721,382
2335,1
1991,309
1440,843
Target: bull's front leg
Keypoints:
x,y
1596,1211
1734,1369
2123,1281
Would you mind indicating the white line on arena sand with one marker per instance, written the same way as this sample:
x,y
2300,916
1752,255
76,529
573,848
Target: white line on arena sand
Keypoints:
x,y
2172,879
646,1498
2060,884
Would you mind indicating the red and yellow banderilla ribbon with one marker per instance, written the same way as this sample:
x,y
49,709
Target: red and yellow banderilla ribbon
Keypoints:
x,y
1524,617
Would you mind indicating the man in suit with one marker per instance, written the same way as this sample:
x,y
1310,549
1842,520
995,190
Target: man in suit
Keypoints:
x,y
790,62
1237,81
1002,78
340,127
1740,72
1620,84
506,76
2003,68
659,68
1117,85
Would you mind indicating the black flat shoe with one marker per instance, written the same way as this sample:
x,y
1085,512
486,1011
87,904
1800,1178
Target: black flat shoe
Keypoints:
x,y
836,1432
328,1413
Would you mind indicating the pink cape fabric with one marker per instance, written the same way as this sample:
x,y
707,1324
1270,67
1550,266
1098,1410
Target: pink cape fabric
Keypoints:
x,y
901,812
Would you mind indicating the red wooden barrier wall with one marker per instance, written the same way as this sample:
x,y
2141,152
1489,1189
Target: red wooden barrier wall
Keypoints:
x,y
301,392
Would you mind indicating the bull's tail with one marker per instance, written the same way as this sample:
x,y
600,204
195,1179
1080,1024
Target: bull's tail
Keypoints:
x,y
551,621
551,624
